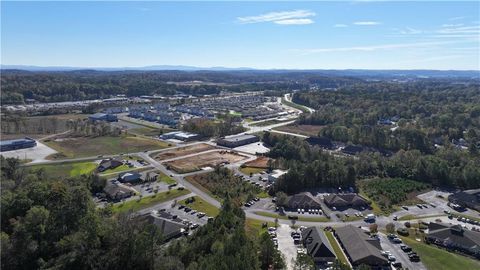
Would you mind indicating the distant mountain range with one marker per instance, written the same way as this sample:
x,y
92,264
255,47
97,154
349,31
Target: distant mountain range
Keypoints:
x,y
335,72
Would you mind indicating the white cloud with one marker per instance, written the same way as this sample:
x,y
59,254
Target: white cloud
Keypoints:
x,y
294,21
460,30
340,25
410,31
288,17
452,24
456,18
373,47
367,23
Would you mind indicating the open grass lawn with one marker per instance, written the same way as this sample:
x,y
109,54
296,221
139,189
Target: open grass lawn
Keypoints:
x,y
435,258
135,204
250,170
312,219
307,130
93,146
410,217
336,248
150,131
120,168
65,170
202,206
165,178
253,227
269,122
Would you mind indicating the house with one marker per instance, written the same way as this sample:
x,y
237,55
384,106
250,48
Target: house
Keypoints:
x,y
303,200
273,177
108,164
130,177
345,200
9,145
169,226
359,247
116,191
317,245
454,237
467,198
321,141
237,140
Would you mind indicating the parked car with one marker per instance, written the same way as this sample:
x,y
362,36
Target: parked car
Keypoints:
x,y
397,265
391,258
405,248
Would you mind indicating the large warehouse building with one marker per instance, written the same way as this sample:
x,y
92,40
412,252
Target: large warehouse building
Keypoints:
x,y
10,145
237,140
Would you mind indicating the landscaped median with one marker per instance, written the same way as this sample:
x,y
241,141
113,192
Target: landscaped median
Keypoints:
x,y
336,248
138,204
201,206
300,218
410,217
295,105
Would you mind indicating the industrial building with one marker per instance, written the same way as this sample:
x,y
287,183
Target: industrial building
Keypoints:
x,y
237,140
179,135
9,145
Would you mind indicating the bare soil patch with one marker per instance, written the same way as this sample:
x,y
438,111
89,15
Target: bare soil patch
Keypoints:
x,y
183,151
210,159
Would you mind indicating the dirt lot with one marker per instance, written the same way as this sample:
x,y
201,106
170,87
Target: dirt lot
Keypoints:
x,y
307,130
183,151
261,162
210,159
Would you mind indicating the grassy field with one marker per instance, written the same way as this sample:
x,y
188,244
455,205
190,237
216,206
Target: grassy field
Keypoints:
x,y
336,248
307,130
312,219
92,146
295,105
436,258
410,217
254,226
268,123
146,131
165,178
65,170
250,170
202,206
135,204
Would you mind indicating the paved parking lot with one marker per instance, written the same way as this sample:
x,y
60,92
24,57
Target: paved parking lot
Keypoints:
x,y
399,254
286,245
36,154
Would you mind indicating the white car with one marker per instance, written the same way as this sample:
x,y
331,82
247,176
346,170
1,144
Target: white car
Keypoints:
x,y
391,258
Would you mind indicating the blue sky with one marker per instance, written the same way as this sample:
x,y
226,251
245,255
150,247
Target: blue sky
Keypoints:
x,y
297,35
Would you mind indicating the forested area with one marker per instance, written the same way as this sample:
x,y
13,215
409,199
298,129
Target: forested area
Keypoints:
x,y
211,128
312,167
53,224
16,86
426,112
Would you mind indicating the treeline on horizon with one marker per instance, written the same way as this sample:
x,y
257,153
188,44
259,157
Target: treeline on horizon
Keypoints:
x,y
17,86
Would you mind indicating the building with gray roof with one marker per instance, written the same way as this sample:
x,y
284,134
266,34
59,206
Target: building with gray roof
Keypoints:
x,y
454,237
317,245
237,140
359,247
